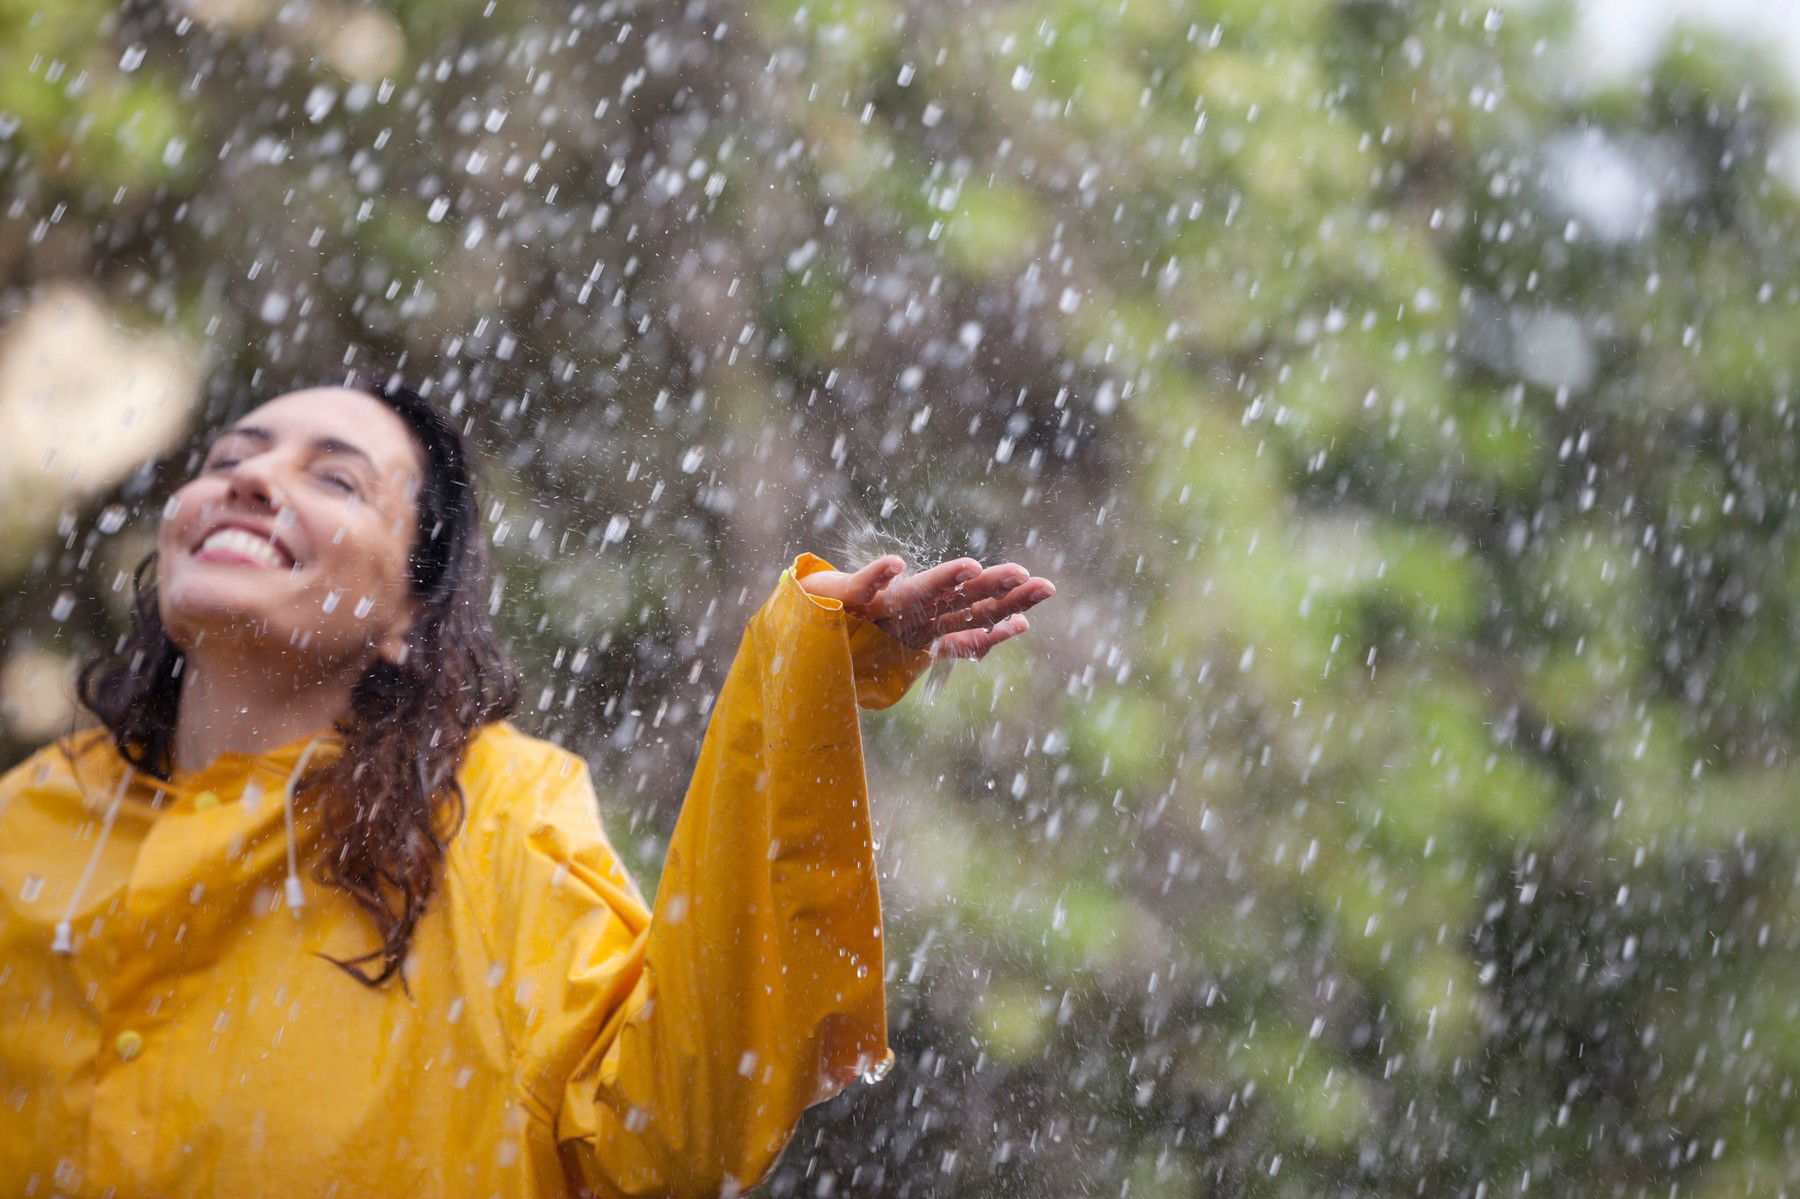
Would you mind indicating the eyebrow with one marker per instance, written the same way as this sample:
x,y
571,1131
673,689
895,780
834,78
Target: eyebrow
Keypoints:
x,y
323,445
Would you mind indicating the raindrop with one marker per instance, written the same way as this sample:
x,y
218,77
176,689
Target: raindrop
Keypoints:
x,y
319,103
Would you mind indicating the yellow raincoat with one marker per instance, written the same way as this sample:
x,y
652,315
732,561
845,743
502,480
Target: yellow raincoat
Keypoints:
x,y
558,1037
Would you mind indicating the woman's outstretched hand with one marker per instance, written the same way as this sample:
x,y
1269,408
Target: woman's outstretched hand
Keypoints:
x,y
956,609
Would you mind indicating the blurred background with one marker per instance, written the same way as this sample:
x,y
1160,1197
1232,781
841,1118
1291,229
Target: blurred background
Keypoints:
x,y
1397,798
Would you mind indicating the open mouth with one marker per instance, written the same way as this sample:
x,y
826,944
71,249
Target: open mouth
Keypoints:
x,y
233,544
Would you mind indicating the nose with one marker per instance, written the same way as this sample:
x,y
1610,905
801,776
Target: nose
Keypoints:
x,y
253,482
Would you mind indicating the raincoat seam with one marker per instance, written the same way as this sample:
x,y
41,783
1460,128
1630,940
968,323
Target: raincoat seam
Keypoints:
x,y
513,827
476,882
536,1109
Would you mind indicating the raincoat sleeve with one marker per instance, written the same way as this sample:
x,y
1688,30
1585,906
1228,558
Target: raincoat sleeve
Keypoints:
x,y
755,987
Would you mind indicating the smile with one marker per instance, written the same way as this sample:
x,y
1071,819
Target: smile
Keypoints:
x,y
238,543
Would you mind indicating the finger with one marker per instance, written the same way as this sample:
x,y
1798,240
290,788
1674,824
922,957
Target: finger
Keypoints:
x,y
975,643
861,588
906,595
979,604
989,612
995,580
948,610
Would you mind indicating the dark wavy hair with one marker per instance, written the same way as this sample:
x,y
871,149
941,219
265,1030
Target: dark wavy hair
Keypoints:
x,y
390,800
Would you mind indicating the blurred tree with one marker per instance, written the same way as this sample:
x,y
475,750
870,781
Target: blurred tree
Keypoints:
x,y
1396,804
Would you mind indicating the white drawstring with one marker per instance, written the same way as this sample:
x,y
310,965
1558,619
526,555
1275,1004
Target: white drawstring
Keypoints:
x,y
295,900
63,941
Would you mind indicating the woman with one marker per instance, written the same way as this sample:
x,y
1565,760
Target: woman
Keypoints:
x,y
306,917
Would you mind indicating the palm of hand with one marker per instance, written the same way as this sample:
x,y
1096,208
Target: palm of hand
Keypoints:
x,y
956,609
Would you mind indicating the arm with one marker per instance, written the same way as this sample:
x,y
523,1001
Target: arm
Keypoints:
x,y
760,990
675,1053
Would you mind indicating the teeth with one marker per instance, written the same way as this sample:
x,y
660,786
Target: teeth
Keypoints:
x,y
237,541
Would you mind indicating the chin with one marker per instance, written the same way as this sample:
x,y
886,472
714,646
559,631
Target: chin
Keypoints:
x,y
225,634
194,613
189,602
191,627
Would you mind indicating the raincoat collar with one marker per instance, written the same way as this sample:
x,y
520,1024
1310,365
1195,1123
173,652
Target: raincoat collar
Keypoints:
x,y
96,765
235,771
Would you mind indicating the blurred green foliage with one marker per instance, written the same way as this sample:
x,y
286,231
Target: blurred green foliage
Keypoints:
x,y
1395,799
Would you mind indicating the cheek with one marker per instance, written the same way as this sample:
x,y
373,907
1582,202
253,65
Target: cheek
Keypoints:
x,y
394,585
398,532
373,568
181,516
384,600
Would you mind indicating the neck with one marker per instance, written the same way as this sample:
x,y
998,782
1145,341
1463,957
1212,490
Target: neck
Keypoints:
x,y
243,707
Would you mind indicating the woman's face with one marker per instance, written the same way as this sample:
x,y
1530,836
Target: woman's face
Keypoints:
x,y
294,538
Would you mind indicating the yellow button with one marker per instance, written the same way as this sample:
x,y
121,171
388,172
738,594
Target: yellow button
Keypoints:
x,y
128,1044
205,801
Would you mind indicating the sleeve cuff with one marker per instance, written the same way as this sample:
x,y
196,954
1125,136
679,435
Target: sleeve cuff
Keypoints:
x,y
884,667
807,564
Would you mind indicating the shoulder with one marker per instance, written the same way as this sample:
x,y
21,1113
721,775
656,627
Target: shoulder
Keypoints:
x,y
512,781
500,758
529,810
62,765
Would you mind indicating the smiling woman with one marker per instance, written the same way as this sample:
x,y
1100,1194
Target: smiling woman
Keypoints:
x,y
508,1017
324,570
284,521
